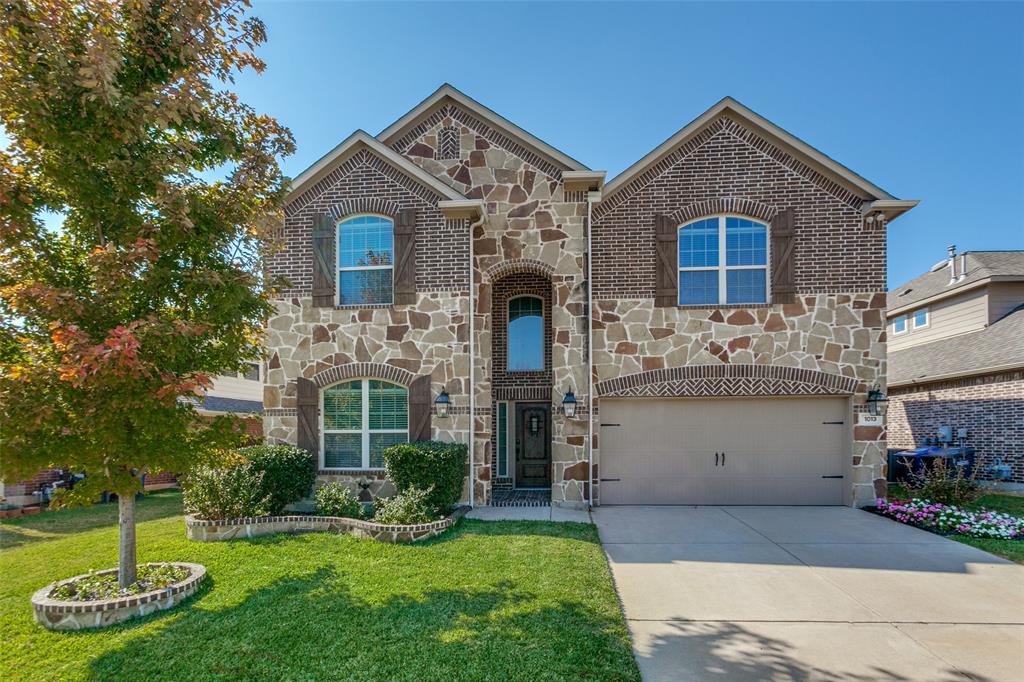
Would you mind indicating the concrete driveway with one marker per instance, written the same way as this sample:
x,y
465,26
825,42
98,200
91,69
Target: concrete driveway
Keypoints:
x,y
809,593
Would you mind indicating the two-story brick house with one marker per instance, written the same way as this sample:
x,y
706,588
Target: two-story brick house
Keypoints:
x,y
716,311
956,356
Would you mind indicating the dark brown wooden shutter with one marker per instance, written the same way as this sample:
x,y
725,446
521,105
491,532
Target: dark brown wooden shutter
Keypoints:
x,y
308,403
405,256
667,263
783,257
420,409
323,261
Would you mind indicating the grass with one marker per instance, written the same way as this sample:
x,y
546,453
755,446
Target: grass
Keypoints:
x,y
1000,502
489,600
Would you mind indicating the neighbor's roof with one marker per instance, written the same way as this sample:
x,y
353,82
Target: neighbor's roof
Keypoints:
x,y
996,347
448,92
363,140
982,267
887,203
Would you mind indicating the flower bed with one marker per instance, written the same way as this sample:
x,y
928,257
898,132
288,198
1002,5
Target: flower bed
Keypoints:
x,y
950,519
205,530
57,606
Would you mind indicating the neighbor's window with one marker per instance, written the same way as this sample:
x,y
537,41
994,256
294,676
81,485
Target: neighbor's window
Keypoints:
x,y
360,419
706,278
365,260
525,334
899,325
252,371
920,318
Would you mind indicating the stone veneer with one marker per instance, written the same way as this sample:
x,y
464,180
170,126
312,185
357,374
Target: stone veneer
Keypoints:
x,y
203,530
55,614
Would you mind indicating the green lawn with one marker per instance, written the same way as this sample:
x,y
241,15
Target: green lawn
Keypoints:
x,y
501,601
1007,504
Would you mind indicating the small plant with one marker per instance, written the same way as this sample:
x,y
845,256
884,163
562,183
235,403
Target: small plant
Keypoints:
x,y
941,482
95,586
429,465
408,507
947,518
232,491
288,473
336,499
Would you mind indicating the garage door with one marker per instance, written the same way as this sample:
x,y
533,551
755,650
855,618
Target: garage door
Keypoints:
x,y
723,451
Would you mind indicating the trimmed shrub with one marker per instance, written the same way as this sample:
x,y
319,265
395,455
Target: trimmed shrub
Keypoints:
x,y
336,499
225,492
288,473
407,507
428,465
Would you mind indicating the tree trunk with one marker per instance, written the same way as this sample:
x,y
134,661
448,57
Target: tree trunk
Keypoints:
x,y
126,547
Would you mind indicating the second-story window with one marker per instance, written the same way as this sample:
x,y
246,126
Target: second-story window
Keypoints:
x,y
899,324
525,334
723,260
920,318
365,261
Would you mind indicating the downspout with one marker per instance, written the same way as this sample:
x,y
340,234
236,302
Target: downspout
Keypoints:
x,y
472,360
591,197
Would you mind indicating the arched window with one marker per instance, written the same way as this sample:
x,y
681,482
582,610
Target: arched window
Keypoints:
x,y
366,247
525,334
359,419
723,260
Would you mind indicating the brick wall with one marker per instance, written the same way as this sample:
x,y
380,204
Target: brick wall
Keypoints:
x,y
507,385
834,252
990,407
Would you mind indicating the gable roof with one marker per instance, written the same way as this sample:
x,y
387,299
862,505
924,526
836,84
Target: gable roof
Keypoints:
x,y
816,160
362,140
449,94
996,347
982,267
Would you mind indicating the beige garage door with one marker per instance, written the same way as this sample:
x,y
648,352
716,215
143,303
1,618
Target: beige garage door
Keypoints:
x,y
723,451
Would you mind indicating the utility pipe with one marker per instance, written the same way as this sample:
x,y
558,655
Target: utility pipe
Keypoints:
x,y
472,359
591,198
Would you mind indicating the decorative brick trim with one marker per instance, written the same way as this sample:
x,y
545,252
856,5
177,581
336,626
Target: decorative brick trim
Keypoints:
x,y
281,412
355,205
726,380
357,370
204,530
518,265
741,205
537,393
55,614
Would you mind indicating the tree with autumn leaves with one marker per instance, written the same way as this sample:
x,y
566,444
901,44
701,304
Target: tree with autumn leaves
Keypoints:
x,y
118,114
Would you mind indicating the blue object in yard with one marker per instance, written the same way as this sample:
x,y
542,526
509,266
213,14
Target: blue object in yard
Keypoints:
x,y
920,457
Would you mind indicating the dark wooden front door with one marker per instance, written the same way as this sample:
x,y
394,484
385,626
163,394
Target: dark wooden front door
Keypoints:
x,y
533,445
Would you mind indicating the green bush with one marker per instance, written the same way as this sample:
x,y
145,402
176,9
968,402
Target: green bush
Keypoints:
x,y
225,492
942,482
410,506
336,499
428,464
288,473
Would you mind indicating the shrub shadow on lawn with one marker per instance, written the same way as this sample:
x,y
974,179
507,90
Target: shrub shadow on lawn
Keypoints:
x,y
312,627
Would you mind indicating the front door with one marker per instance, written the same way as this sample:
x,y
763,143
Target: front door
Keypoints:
x,y
533,445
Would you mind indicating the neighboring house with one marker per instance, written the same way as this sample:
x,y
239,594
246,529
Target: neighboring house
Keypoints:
x,y
738,285
956,356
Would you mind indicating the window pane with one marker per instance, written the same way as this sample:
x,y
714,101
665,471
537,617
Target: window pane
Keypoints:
x,y
389,406
364,287
368,240
698,287
698,244
745,286
502,439
900,324
379,442
921,318
343,406
343,450
252,371
525,334
745,242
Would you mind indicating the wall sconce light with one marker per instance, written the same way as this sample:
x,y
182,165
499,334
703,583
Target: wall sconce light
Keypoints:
x,y
441,404
569,404
877,403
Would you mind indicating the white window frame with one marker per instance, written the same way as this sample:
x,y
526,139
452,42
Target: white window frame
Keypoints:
x,y
927,318
356,268
906,325
508,321
722,268
365,431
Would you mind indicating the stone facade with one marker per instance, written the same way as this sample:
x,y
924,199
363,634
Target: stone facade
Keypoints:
x,y
533,240
990,407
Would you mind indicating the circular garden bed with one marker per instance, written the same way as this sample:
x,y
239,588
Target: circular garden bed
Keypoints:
x,y
57,607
